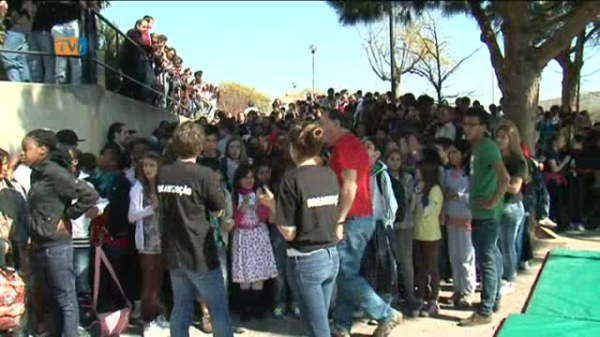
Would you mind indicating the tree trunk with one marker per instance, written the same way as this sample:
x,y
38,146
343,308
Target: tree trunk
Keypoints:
x,y
393,75
571,70
520,89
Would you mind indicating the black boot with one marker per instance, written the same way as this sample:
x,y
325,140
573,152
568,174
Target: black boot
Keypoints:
x,y
246,305
259,310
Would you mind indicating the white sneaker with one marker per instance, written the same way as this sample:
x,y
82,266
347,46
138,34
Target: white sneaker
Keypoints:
x,y
163,323
508,288
156,328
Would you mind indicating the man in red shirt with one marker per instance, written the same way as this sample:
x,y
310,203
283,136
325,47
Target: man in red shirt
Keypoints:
x,y
350,163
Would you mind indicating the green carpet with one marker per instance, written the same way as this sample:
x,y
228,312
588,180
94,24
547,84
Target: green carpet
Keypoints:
x,y
535,325
568,287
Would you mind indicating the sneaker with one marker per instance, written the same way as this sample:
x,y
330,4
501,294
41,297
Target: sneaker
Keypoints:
x,y
508,288
153,329
475,320
163,323
278,313
496,307
524,265
385,328
462,302
580,227
431,309
339,332
296,311
205,325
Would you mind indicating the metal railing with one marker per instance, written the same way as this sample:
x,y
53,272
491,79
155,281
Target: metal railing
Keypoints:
x,y
90,61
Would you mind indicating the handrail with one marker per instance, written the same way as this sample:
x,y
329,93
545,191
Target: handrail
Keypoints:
x,y
33,52
120,73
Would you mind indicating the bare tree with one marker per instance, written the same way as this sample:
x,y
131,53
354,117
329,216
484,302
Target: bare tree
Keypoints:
x,y
407,51
435,63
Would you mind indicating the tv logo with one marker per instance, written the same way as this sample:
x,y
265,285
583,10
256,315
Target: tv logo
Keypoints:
x,y
70,46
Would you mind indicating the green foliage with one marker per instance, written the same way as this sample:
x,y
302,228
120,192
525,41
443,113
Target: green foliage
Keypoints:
x,y
108,46
234,97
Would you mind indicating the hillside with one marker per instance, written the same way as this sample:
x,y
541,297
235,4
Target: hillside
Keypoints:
x,y
590,101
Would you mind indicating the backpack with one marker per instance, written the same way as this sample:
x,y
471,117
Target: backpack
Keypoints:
x,y
12,299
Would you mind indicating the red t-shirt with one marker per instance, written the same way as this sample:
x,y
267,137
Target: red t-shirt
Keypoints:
x,y
349,154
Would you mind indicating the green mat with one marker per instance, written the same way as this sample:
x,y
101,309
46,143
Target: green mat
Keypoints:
x,y
568,287
535,325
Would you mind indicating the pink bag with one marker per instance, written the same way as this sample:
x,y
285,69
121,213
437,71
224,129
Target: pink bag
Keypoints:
x,y
111,323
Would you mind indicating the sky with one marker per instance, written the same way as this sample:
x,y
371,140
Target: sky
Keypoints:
x,y
265,45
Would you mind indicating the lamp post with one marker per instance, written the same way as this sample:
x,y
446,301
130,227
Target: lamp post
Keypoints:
x,y
313,49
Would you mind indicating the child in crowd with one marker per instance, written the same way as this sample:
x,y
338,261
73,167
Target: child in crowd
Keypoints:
x,y
457,217
403,185
221,227
427,235
235,155
144,214
384,212
81,245
253,261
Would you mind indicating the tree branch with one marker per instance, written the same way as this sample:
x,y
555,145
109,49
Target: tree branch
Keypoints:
x,y
458,64
576,20
488,36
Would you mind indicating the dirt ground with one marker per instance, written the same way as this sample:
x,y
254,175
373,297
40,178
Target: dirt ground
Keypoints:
x,y
446,323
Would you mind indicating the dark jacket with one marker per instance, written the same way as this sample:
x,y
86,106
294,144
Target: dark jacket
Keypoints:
x,y
20,16
114,187
52,191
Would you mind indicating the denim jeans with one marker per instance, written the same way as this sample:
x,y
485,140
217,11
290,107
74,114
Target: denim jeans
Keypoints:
x,y
485,235
313,277
67,29
511,220
16,65
53,267
42,67
282,296
186,286
81,265
353,289
406,267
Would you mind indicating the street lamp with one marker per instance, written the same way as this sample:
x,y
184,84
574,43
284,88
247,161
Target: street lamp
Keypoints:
x,y
313,49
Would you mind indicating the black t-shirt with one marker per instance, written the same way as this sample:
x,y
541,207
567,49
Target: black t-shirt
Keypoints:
x,y
187,195
517,168
307,200
214,163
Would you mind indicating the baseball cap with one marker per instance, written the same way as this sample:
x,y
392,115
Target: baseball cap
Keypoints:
x,y
68,137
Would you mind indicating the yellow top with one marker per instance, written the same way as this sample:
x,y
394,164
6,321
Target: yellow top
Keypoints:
x,y
427,221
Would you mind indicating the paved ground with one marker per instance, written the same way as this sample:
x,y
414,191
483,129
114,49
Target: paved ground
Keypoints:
x,y
446,323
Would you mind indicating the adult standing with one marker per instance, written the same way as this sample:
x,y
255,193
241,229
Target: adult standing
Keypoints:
x,y
18,26
51,210
187,194
350,163
513,215
306,215
489,180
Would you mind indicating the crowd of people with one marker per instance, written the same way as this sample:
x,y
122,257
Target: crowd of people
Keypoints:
x,y
158,66
272,215
35,25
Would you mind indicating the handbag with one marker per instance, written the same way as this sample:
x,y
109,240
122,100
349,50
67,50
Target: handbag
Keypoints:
x,y
111,323
12,299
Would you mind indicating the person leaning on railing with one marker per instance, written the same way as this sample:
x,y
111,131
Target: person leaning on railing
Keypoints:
x,y
18,24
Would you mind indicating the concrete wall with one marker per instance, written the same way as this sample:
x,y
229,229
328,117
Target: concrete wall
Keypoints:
x,y
87,109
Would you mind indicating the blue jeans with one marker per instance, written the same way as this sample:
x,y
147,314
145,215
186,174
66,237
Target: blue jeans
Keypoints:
x,y
485,235
16,65
281,292
42,67
511,221
353,289
81,265
313,278
209,285
54,268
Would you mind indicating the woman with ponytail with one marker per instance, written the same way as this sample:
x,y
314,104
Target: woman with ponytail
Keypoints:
x,y
51,209
305,212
